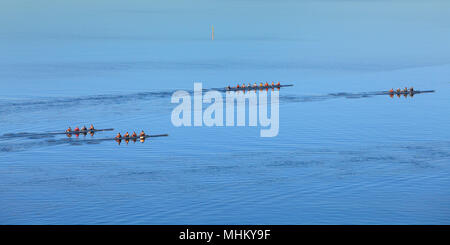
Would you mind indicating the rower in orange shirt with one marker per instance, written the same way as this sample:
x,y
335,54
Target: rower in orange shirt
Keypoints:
x,y
142,134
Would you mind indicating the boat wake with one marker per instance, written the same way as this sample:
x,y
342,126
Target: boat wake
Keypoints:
x,y
7,106
40,104
340,95
24,144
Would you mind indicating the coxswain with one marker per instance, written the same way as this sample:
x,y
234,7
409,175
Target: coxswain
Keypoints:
x,y
142,134
134,135
127,135
84,128
411,89
77,129
69,129
118,136
91,127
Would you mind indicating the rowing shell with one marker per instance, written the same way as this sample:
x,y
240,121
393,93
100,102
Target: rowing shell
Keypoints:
x,y
24,134
256,88
135,138
409,92
83,131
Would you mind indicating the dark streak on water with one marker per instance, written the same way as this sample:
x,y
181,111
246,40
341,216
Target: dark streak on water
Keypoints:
x,y
40,104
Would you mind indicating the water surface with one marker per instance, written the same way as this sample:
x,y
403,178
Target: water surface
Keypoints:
x,y
342,156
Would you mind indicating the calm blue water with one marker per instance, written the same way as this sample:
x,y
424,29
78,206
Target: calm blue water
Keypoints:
x,y
340,157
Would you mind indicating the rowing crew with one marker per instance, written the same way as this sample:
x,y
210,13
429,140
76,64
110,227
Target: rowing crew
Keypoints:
x,y
134,135
77,129
405,90
255,85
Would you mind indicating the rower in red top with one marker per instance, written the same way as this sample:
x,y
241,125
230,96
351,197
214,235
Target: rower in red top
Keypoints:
x,y
69,129
77,129
127,135
237,86
273,84
118,136
134,135
142,134
267,84
391,91
278,84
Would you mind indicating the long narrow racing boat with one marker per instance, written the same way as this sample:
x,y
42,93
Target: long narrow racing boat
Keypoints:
x,y
43,134
83,131
135,138
409,92
257,87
